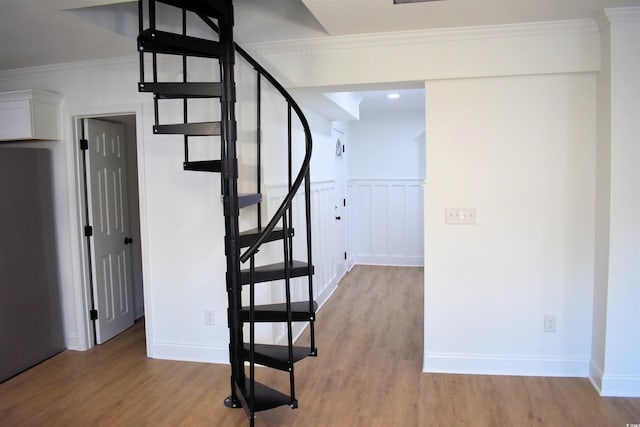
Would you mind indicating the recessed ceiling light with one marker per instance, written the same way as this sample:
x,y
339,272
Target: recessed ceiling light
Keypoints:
x,y
393,96
411,1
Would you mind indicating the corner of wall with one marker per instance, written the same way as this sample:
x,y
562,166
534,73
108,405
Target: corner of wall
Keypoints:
x,y
595,375
71,342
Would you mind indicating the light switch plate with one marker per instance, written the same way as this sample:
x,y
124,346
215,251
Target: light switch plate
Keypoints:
x,y
460,215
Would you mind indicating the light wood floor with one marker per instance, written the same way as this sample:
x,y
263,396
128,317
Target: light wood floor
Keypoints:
x,y
368,373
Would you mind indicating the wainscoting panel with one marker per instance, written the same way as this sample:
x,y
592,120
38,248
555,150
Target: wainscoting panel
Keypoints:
x,y
386,219
323,248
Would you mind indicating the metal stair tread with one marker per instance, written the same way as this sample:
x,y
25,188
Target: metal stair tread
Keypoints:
x,y
172,90
246,200
204,7
189,129
156,41
203,166
275,356
276,271
278,312
265,397
247,237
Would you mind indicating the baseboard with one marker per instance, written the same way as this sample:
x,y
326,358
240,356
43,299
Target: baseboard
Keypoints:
x,y
505,365
327,293
72,342
189,353
620,386
396,261
595,376
613,385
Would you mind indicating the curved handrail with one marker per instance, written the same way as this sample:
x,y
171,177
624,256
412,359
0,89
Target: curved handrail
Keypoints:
x,y
304,168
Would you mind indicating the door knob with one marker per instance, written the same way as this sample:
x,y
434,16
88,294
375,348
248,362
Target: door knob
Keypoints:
x,y
128,240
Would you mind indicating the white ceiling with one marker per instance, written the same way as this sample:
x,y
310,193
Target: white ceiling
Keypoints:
x,y
378,100
41,32
341,17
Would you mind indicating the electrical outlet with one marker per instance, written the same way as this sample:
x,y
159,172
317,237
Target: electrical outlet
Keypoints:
x,y
209,317
550,323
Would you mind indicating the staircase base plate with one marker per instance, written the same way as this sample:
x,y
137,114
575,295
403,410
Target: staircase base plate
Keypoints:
x,y
228,402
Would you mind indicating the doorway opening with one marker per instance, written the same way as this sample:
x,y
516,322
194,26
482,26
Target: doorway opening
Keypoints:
x,y
106,152
385,173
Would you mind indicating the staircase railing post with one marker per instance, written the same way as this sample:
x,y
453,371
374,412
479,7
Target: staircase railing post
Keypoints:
x,y
230,192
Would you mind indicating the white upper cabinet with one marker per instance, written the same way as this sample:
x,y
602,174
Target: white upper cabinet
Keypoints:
x,y
29,115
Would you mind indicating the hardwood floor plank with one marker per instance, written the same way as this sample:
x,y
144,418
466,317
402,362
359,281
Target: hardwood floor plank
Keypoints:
x,y
368,373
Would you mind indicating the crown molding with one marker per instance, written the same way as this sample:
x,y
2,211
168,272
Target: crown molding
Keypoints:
x,y
336,43
622,14
93,65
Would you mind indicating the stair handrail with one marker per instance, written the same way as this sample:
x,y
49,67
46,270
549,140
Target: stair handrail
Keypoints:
x,y
304,168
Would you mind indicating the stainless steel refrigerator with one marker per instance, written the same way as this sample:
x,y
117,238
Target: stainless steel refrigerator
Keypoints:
x,y
30,307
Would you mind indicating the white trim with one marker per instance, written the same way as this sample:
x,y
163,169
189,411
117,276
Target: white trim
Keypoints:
x,y
405,181
189,352
613,385
95,65
282,187
595,376
450,53
622,14
365,254
396,261
82,337
72,342
620,386
43,96
359,41
494,364
82,302
145,247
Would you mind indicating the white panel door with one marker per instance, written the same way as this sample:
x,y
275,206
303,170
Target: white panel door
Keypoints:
x,y
340,210
111,253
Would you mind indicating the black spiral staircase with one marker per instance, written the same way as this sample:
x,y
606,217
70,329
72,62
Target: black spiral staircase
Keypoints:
x,y
160,43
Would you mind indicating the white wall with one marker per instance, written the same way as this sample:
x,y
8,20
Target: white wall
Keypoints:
x,y
521,151
387,145
444,53
615,365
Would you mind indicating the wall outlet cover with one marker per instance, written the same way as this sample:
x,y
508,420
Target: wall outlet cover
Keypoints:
x,y
460,216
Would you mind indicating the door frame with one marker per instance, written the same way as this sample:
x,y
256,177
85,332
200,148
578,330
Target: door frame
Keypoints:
x,y
83,301
340,185
119,241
